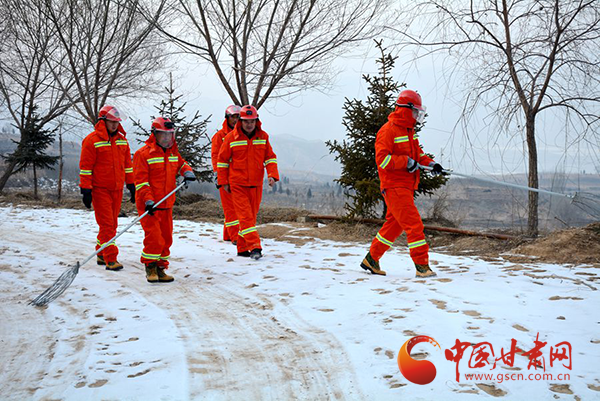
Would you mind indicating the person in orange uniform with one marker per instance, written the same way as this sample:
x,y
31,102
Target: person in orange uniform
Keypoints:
x,y
157,165
105,165
244,155
231,225
398,155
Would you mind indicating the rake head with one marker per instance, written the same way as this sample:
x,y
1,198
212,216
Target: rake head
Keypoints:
x,y
56,289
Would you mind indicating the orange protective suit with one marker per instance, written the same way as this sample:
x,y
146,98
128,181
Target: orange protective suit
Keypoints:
x,y
105,166
231,224
155,173
396,142
241,164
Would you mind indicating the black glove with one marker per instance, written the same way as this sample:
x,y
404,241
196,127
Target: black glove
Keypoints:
x,y
150,207
189,176
131,188
411,165
437,169
87,197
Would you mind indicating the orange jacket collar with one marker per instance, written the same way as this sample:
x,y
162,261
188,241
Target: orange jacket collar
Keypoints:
x,y
151,142
402,117
100,128
226,126
238,134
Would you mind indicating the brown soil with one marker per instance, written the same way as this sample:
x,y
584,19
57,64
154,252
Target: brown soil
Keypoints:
x,y
575,245
570,246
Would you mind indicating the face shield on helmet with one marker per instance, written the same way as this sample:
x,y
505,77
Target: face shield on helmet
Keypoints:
x,y
232,110
419,114
165,139
164,132
111,113
232,115
412,100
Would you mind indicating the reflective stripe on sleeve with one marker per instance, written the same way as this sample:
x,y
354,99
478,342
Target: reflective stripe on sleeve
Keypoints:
x,y
385,161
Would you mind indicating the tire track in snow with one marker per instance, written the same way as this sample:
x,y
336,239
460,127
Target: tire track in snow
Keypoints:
x,y
27,350
238,343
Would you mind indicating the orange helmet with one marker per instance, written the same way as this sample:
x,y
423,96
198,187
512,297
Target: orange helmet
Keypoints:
x,y
163,124
232,110
111,113
248,113
164,131
412,100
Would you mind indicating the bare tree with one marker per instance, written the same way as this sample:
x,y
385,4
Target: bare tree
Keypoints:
x,y
273,48
27,88
109,47
520,57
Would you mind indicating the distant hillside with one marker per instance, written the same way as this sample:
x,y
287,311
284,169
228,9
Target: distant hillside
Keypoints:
x,y
298,154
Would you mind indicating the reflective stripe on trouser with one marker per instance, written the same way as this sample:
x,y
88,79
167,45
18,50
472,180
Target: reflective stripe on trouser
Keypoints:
x,y
246,201
158,237
230,228
402,215
107,206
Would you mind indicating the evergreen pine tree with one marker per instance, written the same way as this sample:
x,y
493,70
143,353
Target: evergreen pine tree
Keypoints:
x,y
363,120
192,140
31,149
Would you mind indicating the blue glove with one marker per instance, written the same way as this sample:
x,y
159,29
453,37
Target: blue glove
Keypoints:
x,y
189,176
150,207
411,165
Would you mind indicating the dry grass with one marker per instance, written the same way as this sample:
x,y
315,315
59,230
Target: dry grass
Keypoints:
x,y
572,246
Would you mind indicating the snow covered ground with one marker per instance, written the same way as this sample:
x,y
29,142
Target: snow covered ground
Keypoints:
x,y
305,322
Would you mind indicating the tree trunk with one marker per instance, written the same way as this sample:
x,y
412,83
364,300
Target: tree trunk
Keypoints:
x,y
7,173
60,164
35,189
532,180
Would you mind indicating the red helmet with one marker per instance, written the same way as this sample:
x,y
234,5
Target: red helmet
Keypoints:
x,y
111,113
412,100
233,109
248,113
163,124
164,131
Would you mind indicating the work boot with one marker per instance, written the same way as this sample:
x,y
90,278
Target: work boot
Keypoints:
x,y
424,271
100,260
162,276
256,254
245,254
372,265
114,266
151,274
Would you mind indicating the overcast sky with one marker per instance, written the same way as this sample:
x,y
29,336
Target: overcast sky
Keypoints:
x,y
482,148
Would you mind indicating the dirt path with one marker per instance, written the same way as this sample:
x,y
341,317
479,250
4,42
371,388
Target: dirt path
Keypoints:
x,y
236,343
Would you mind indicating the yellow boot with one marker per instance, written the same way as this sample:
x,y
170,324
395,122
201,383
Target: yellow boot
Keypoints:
x,y
424,271
162,276
151,274
100,260
114,266
372,265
